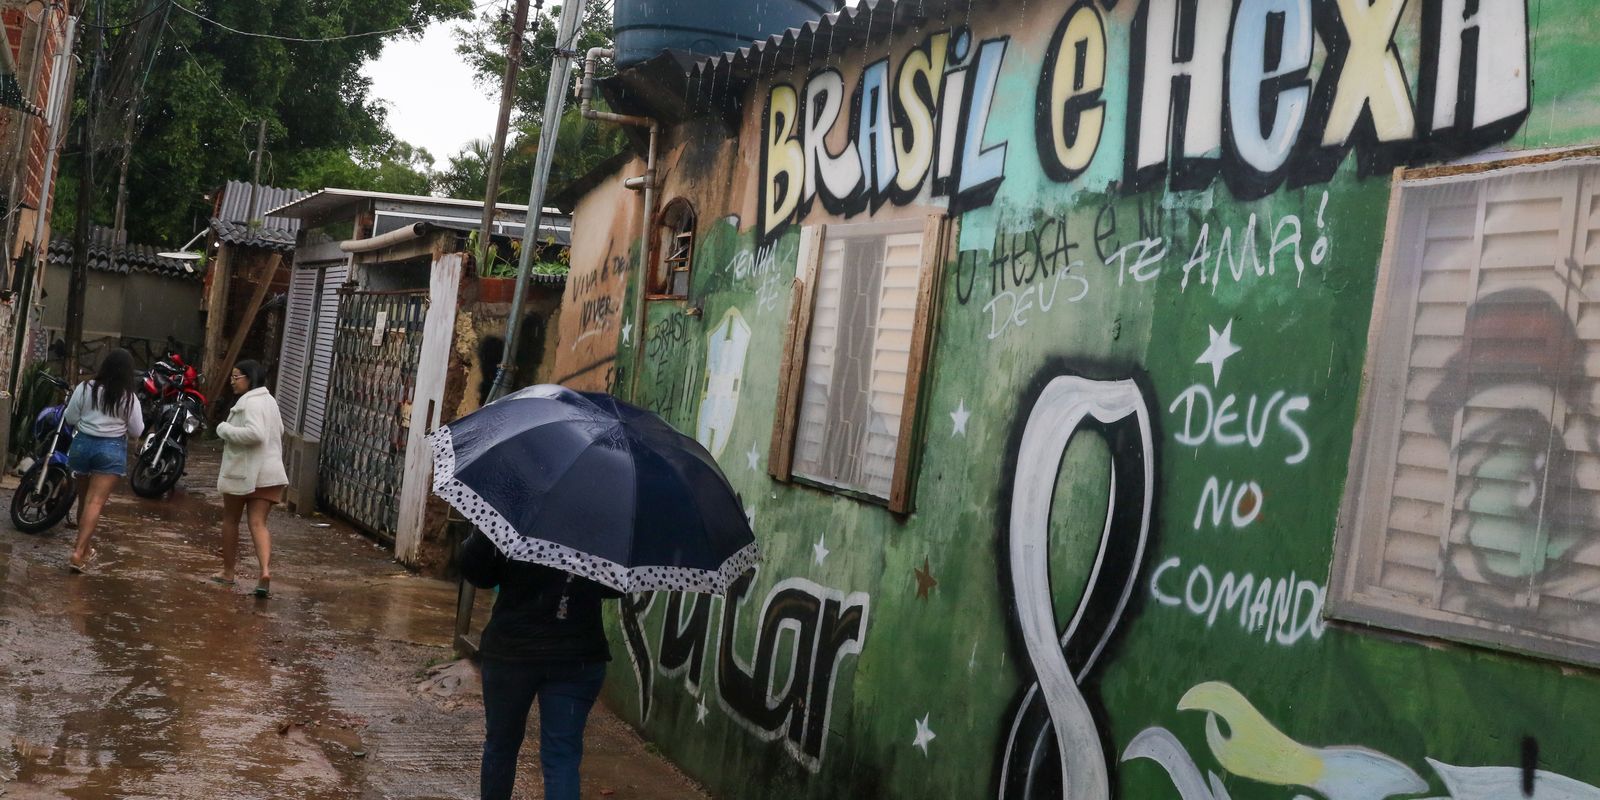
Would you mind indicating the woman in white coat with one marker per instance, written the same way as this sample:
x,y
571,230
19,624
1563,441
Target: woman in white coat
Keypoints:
x,y
252,478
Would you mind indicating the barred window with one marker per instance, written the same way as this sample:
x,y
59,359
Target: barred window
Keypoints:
x,y
1473,506
858,341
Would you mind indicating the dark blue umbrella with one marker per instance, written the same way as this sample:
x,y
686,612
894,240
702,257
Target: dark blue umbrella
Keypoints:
x,y
589,484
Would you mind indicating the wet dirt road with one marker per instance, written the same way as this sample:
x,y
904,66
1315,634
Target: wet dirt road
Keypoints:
x,y
144,680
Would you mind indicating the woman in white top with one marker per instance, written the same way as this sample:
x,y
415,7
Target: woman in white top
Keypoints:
x,y
252,478
105,413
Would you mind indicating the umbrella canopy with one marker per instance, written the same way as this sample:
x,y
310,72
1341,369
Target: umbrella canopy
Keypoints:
x,y
589,484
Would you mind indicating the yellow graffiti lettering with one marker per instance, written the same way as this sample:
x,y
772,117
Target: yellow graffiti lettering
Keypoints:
x,y
915,158
1077,76
1372,77
784,159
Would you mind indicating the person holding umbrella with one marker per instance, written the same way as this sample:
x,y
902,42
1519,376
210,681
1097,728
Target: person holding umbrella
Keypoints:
x,y
577,497
545,639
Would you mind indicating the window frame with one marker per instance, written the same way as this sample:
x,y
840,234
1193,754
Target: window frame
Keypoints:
x,y
938,231
660,261
1350,598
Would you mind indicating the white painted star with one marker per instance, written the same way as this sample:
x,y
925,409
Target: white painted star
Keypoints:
x,y
700,711
960,417
820,550
753,458
1222,348
924,735
627,331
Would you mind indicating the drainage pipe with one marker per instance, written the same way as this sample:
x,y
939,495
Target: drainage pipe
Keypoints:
x,y
646,183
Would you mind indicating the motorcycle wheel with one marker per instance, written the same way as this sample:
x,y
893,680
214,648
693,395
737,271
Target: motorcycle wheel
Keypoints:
x,y
151,479
35,511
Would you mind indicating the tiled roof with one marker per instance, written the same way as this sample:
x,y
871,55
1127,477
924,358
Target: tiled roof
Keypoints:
x,y
241,234
231,223
108,255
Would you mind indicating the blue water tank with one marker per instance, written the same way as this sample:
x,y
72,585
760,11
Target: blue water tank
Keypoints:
x,y
705,27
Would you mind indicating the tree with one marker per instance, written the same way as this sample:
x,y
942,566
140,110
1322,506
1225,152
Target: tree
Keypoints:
x,y
204,89
581,144
482,44
396,167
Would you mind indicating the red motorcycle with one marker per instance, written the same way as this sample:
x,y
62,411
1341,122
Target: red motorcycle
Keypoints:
x,y
174,411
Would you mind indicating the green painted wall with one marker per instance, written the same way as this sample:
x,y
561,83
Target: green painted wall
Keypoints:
x,y
925,673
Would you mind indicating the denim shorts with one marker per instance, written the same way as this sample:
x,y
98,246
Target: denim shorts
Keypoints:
x,y
98,455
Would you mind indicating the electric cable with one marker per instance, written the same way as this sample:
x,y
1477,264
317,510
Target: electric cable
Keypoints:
x,y
135,21
302,40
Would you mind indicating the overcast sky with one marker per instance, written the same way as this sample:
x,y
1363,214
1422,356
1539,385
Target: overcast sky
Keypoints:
x,y
432,100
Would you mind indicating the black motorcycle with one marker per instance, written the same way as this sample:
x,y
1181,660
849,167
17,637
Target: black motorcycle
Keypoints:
x,y
164,451
47,490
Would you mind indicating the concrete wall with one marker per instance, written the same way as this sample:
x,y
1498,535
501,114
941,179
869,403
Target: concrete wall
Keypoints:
x,y
603,257
1139,612
155,308
137,310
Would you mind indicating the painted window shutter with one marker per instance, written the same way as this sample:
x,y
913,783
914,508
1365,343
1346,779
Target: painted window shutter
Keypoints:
x,y
853,390
1475,494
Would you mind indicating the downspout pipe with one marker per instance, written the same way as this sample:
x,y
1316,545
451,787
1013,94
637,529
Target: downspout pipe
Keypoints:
x,y
645,182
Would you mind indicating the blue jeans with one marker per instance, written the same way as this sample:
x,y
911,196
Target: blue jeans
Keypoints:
x,y
566,692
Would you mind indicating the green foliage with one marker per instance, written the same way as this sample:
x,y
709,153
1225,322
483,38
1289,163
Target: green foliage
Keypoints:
x,y
553,259
580,144
206,88
397,167
483,42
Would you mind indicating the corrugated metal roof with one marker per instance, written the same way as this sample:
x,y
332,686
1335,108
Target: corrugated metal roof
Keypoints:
x,y
232,222
326,200
859,25
107,253
234,205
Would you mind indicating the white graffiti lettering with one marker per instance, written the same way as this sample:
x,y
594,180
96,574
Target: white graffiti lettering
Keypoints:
x,y
1284,611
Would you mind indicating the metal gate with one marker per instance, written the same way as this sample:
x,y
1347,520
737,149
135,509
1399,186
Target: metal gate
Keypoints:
x,y
375,348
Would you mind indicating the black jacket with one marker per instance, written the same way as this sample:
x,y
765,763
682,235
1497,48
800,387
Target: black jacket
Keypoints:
x,y
525,625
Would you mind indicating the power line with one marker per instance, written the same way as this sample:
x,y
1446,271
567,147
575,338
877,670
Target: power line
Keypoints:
x,y
135,21
385,32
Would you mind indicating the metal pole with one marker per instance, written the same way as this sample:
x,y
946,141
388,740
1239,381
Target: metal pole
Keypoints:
x,y
79,283
555,100
508,92
255,181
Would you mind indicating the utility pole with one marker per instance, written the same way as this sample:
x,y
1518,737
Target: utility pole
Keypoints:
x,y
119,219
555,97
255,181
78,285
555,100
508,91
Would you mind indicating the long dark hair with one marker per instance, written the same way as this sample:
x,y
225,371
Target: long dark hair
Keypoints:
x,y
114,382
252,372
